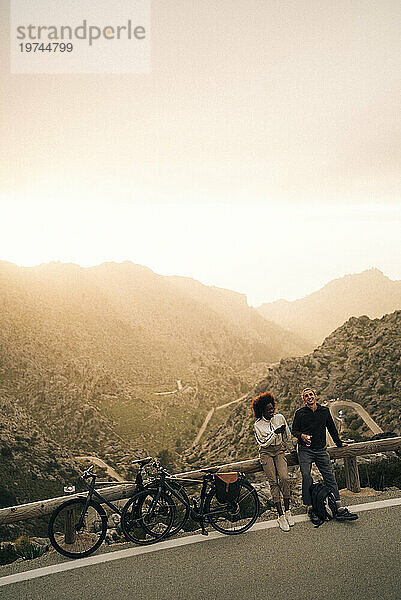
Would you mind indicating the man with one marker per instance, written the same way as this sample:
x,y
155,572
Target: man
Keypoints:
x,y
309,427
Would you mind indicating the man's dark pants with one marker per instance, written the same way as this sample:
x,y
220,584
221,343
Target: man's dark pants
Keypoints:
x,y
321,458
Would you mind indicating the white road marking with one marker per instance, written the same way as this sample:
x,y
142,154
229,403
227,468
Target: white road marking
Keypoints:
x,y
174,543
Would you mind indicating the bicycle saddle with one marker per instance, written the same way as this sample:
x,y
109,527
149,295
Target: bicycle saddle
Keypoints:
x,y
142,461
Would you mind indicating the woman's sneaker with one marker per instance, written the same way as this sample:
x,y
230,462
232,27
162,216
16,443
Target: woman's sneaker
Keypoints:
x,y
283,523
290,518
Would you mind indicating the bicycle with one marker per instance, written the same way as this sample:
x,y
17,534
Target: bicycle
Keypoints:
x,y
78,526
231,518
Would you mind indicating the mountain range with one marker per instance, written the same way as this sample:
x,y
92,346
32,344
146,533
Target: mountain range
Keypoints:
x,y
314,317
89,354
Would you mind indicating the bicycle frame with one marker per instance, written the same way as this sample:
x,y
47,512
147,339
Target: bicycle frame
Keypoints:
x,y
92,492
197,513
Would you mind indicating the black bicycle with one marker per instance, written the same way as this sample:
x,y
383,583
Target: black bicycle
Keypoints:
x,y
79,526
231,517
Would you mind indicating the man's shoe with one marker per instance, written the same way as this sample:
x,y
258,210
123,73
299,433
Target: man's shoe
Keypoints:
x,y
343,514
314,518
290,518
282,523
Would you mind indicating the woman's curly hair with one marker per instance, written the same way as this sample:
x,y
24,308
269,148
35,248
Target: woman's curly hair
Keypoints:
x,y
260,402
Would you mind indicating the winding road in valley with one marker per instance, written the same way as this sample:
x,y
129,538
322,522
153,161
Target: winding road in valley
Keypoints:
x,y
334,407
100,463
337,405
210,415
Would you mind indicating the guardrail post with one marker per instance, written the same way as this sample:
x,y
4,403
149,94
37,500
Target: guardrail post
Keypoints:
x,y
352,474
69,525
69,531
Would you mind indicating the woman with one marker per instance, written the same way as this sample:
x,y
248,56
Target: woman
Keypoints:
x,y
273,436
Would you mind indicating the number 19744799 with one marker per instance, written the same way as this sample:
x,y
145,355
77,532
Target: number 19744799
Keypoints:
x,y
50,47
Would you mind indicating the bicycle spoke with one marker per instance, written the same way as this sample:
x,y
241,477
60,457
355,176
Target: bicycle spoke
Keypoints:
x,y
146,519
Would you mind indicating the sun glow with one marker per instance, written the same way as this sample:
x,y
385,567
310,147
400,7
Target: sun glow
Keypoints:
x,y
264,251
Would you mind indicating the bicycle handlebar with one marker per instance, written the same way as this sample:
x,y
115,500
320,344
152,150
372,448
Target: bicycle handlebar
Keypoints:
x,y
88,473
160,469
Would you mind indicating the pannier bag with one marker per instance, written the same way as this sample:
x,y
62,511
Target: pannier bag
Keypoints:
x,y
227,487
323,503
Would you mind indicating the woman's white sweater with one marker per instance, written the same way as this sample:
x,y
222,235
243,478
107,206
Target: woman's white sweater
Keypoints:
x,y
264,432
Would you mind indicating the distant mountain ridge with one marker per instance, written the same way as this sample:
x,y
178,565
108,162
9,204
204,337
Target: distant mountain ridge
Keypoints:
x,y
314,317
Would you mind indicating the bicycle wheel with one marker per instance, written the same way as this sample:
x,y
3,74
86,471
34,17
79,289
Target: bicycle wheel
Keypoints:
x,y
234,517
182,508
145,520
71,539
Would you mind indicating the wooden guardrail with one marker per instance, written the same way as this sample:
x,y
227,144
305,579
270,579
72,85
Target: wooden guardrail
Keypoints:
x,y
349,453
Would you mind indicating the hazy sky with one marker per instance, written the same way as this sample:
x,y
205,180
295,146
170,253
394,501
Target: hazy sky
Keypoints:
x,y
262,152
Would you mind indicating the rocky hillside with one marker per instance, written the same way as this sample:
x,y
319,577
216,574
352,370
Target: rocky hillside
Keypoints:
x,y
233,307
32,467
360,361
88,354
314,317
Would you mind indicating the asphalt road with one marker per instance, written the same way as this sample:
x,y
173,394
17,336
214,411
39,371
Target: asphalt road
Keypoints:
x,y
338,561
